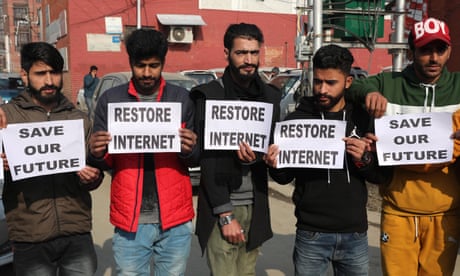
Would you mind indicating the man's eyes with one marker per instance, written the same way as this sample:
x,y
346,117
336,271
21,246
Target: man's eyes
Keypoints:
x,y
245,52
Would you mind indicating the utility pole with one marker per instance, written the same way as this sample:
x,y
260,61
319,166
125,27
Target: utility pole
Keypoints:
x,y
399,54
7,53
138,11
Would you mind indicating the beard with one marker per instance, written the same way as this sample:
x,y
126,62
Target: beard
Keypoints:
x,y
425,73
45,99
146,85
329,104
241,77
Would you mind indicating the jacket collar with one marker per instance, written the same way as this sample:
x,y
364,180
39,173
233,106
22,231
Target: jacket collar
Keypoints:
x,y
132,89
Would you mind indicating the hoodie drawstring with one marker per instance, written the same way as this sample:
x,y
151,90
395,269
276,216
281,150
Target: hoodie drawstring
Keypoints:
x,y
427,87
346,159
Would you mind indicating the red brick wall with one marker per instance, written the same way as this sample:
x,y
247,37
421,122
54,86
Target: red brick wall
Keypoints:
x,y
449,11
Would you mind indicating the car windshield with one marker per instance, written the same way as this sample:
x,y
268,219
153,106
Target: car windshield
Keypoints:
x,y
201,77
187,84
284,83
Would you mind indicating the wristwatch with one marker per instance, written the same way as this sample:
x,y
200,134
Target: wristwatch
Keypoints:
x,y
365,160
226,220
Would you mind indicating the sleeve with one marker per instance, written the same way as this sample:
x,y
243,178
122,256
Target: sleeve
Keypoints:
x,y
281,176
188,111
456,127
88,130
88,81
375,173
100,124
359,89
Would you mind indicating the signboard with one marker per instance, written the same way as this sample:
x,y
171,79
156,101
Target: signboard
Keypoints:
x,y
310,143
228,123
144,127
43,148
414,138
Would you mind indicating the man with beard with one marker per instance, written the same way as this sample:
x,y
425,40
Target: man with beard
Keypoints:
x,y
421,205
233,216
331,203
151,194
48,217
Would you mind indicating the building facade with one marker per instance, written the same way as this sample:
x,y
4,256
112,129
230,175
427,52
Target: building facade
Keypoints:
x,y
90,32
19,24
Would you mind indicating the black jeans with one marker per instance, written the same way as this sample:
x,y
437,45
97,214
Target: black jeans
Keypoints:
x,y
69,255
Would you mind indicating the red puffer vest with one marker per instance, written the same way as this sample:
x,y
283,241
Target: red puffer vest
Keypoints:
x,y
173,184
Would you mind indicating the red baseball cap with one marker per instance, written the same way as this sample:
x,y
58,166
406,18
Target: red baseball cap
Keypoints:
x,y
428,30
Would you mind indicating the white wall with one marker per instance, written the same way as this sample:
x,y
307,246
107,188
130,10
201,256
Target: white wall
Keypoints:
x,y
268,6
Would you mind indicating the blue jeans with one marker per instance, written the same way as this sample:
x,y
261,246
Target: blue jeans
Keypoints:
x,y
348,253
89,104
169,249
70,255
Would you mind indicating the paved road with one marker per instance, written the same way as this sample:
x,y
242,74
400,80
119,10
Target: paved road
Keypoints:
x,y
275,257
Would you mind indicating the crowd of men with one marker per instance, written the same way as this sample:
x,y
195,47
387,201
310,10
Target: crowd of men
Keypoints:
x,y
48,209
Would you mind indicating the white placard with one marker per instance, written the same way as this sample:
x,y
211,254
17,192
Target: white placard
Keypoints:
x,y
228,123
414,138
43,148
144,127
310,143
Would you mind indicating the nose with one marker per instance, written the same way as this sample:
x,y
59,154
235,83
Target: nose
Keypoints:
x,y
147,72
248,58
323,88
48,78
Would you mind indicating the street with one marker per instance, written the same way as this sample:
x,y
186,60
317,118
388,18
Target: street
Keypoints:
x,y
275,257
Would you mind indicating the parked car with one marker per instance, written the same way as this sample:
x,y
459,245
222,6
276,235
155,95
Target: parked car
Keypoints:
x,y
81,103
10,86
358,73
201,76
117,78
289,83
6,251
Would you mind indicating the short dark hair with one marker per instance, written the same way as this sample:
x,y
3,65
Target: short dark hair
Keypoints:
x,y
243,30
93,67
410,41
146,43
333,57
41,51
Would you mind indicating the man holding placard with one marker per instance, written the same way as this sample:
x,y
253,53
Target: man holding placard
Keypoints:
x,y
143,134
236,114
49,215
329,170
421,205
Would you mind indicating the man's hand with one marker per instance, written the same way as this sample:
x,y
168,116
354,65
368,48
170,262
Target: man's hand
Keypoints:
x,y
271,157
376,104
233,232
98,143
371,141
245,153
6,167
89,174
187,140
3,121
355,147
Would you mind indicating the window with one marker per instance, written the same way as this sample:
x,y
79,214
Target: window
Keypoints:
x,y
21,25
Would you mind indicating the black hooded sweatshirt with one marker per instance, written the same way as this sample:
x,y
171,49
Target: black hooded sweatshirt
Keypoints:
x,y
332,200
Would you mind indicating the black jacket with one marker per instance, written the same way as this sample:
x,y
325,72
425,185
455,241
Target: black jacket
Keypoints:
x,y
221,173
337,205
